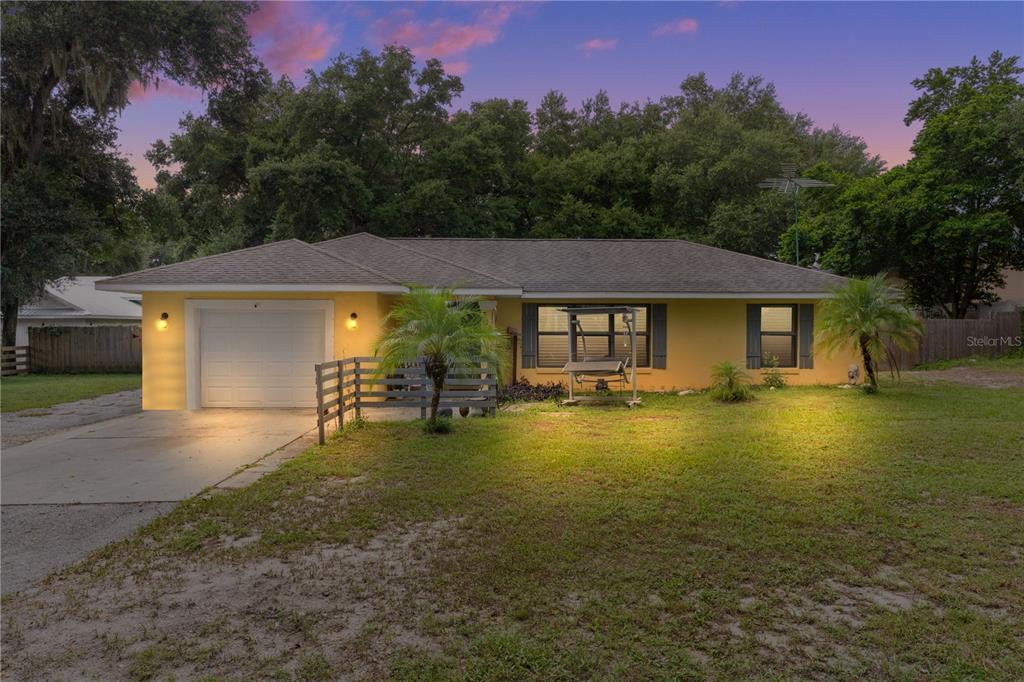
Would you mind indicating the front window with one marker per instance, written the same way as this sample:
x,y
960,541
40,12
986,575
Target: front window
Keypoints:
x,y
778,334
605,336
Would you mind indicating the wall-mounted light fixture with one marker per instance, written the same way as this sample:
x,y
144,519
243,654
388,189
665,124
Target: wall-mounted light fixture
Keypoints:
x,y
161,324
352,322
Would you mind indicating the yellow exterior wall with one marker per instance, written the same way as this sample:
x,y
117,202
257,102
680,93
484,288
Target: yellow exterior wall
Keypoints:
x,y
700,333
163,351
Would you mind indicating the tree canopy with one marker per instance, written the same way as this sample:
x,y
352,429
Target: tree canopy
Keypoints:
x,y
69,199
369,144
951,220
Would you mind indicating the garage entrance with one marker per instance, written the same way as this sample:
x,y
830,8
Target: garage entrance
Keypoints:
x,y
252,354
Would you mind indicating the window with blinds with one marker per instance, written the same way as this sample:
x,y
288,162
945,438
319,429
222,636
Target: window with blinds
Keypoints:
x,y
604,336
778,334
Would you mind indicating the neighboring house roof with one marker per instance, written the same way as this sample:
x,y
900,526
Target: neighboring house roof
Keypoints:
x,y
527,267
77,298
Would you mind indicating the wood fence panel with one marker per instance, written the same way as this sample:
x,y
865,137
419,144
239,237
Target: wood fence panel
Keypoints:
x,y
86,349
955,339
354,384
15,360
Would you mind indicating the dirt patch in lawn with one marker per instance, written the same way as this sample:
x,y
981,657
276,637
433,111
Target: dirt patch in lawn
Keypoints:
x,y
818,625
970,376
253,616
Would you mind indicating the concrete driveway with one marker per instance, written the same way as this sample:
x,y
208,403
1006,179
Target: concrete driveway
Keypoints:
x,y
145,457
70,493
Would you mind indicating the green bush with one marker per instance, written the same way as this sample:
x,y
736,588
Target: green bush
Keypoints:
x,y
771,377
729,383
438,426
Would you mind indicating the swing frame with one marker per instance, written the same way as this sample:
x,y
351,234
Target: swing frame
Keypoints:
x,y
595,369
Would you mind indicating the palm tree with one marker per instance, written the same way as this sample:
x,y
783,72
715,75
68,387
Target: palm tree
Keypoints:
x,y
729,383
442,331
865,314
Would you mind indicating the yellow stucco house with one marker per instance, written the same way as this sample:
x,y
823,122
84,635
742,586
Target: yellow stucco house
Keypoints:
x,y
244,328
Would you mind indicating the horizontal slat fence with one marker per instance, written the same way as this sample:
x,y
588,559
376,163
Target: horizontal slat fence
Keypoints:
x,y
944,339
86,349
14,360
355,384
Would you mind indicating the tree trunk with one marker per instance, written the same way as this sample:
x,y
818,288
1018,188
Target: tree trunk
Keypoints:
x,y
438,374
869,365
10,313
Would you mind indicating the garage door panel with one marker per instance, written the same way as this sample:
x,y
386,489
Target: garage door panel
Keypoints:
x,y
260,358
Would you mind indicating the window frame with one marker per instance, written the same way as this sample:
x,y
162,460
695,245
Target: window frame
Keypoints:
x,y
794,334
643,359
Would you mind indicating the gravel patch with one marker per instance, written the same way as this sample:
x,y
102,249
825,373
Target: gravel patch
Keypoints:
x,y
970,376
26,425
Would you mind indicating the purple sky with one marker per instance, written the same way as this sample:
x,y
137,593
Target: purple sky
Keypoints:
x,y
848,64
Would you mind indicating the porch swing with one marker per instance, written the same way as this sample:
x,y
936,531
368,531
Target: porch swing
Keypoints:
x,y
599,368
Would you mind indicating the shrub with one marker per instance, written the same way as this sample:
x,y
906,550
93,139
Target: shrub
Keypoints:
x,y
438,425
771,377
524,391
729,383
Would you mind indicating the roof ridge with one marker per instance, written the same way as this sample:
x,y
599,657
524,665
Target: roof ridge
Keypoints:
x,y
449,262
392,242
618,239
346,260
200,258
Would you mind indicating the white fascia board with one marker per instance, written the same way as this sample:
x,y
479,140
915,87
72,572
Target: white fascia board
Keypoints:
x,y
141,288
488,292
623,295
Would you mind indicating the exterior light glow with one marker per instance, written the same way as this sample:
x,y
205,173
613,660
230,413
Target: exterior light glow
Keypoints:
x,y
352,322
161,324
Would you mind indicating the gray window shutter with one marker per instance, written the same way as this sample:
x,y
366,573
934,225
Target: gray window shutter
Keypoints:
x,y
806,336
753,336
659,335
529,335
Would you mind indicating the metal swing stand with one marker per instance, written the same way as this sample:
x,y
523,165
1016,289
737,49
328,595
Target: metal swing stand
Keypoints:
x,y
600,368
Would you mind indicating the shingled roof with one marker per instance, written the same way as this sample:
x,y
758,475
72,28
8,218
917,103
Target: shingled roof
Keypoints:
x,y
538,267
289,262
627,265
404,263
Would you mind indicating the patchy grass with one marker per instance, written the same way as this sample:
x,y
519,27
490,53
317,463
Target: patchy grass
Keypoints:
x,y
27,391
811,533
1010,362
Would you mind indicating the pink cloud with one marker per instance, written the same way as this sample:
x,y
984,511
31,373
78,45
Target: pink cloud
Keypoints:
x,y
442,38
137,93
677,27
286,41
456,68
598,45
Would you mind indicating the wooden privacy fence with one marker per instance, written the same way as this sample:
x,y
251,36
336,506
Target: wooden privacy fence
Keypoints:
x,y
86,349
954,339
14,360
354,384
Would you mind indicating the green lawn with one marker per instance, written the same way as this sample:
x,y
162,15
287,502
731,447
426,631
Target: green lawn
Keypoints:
x,y
813,533
43,390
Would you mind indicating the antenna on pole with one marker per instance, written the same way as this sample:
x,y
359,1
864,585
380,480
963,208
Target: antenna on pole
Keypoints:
x,y
789,183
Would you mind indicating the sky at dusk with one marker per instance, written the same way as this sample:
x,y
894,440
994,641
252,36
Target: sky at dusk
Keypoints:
x,y
848,64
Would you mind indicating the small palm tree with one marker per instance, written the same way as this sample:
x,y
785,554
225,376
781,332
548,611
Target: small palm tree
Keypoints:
x,y
863,315
442,331
729,383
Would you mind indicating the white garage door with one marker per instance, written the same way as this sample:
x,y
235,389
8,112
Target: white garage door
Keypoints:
x,y
260,358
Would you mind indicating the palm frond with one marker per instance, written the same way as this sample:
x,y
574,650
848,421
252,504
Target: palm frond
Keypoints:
x,y
437,327
871,312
